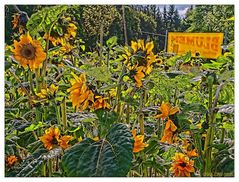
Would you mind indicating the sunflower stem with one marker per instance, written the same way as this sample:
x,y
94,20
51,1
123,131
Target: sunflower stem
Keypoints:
x,y
118,93
63,114
44,67
38,86
31,83
141,115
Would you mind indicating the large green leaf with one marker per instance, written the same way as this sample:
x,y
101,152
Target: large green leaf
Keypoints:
x,y
110,156
44,19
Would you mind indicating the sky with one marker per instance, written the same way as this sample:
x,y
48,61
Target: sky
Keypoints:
x,y
182,9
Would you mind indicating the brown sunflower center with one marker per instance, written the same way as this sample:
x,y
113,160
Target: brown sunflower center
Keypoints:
x,y
28,51
183,164
54,141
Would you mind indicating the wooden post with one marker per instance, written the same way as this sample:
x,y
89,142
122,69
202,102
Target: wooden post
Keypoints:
x,y
166,39
124,25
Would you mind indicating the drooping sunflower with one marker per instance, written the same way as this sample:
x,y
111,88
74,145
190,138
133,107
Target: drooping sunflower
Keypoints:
x,y
80,95
29,52
52,138
139,144
182,166
167,110
11,160
64,140
169,130
71,31
101,103
147,57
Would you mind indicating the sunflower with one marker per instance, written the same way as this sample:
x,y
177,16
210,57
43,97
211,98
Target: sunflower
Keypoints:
x,y
139,58
167,110
11,160
148,57
52,138
188,149
169,130
80,94
182,166
138,142
29,52
101,103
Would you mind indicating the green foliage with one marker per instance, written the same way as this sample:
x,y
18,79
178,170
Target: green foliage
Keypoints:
x,y
212,18
223,162
111,41
106,119
96,16
110,156
99,73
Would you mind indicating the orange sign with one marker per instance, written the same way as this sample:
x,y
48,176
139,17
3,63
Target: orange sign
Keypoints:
x,y
205,45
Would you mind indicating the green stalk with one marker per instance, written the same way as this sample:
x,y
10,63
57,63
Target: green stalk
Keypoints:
x,y
50,166
223,135
127,113
43,169
58,115
25,90
63,114
44,67
209,135
141,123
162,128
